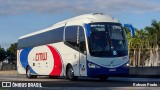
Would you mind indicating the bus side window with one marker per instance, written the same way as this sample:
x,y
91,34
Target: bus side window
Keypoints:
x,y
71,36
82,45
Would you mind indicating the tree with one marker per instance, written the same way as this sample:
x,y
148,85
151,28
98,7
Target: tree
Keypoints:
x,y
137,44
137,47
144,46
12,52
2,54
153,35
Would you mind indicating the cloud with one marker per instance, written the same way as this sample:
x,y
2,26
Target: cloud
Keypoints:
x,y
5,45
11,7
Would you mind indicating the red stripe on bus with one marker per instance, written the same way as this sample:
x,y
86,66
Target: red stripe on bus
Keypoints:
x,y
57,67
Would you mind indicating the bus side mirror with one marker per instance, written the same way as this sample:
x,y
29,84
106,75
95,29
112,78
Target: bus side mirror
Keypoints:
x,y
131,28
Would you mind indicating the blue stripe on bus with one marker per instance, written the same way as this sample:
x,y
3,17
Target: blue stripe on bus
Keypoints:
x,y
87,29
103,71
24,59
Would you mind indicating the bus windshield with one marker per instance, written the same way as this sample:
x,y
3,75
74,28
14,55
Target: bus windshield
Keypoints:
x,y
107,40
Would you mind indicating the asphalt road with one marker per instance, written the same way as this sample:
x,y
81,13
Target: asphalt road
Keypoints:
x,y
112,83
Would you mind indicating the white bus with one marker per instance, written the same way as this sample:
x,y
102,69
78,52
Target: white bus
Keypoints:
x,y
92,45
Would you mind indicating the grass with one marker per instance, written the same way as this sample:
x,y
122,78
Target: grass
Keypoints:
x,y
8,72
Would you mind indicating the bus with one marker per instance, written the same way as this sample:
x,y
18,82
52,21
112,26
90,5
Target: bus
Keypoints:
x,y
89,45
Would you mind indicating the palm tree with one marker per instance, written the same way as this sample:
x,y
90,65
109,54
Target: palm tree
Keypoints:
x,y
153,35
145,42
131,46
135,45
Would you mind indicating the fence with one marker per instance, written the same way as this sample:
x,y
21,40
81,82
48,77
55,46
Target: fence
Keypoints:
x,y
154,70
7,66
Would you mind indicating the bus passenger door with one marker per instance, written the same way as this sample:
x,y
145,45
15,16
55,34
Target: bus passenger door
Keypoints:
x,y
82,53
71,40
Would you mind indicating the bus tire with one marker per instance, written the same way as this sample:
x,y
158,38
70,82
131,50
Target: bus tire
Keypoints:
x,y
70,74
28,73
103,78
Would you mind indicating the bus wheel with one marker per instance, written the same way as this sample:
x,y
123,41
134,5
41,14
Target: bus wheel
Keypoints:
x,y
103,78
70,74
28,73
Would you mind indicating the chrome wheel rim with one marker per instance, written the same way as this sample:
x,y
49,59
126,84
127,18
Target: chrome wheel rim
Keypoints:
x,y
70,73
28,72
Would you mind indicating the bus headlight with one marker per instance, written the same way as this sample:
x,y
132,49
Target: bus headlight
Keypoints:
x,y
126,65
91,65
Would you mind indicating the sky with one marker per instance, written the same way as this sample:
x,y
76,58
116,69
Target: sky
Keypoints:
x,y
20,17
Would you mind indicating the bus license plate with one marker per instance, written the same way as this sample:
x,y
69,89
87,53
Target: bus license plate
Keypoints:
x,y
112,70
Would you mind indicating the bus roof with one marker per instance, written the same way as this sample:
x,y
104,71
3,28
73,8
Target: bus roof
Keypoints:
x,y
86,18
